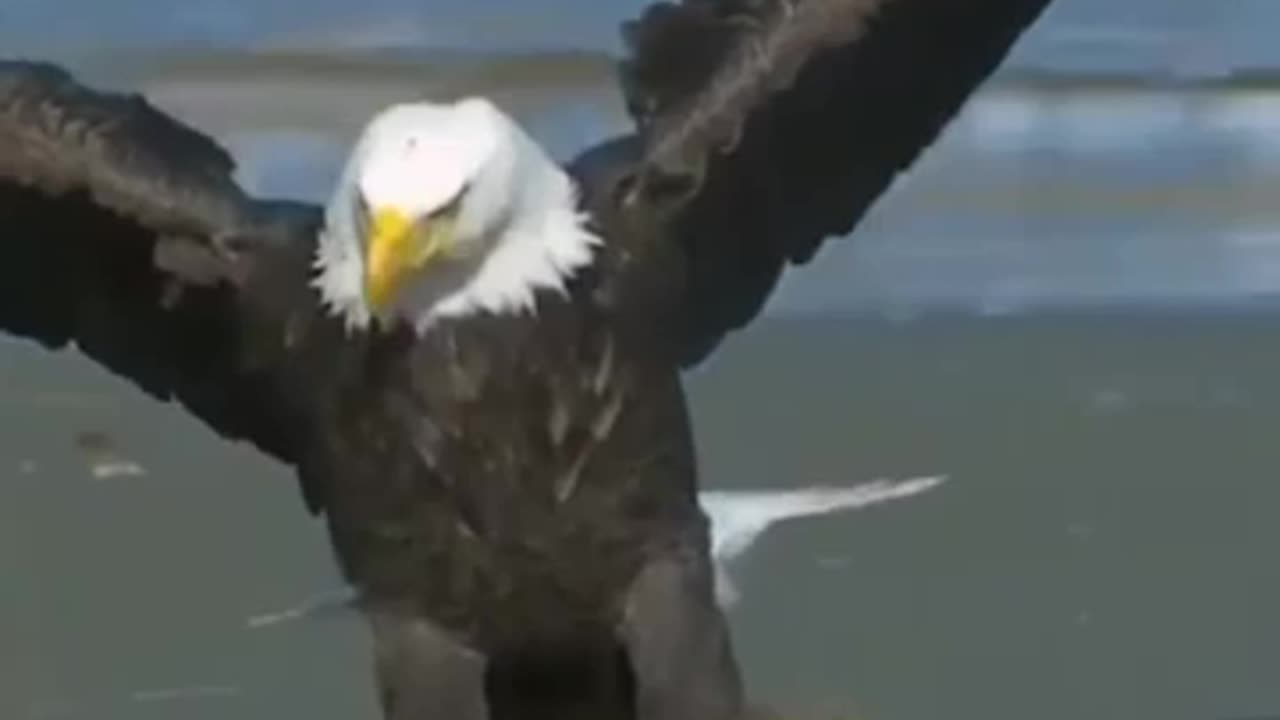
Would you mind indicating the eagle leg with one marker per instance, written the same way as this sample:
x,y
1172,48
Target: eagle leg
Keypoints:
x,y
423,673
677,641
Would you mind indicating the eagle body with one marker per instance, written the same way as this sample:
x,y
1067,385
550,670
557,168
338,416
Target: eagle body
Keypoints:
x,y
527,469
472,356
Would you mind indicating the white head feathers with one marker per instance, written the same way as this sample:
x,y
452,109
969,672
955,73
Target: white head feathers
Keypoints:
x,y
517,228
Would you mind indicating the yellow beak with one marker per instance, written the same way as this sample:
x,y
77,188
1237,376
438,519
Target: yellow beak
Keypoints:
x,y
397,247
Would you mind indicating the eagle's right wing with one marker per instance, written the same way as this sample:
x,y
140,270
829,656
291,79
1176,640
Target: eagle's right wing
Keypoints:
x,y
122,231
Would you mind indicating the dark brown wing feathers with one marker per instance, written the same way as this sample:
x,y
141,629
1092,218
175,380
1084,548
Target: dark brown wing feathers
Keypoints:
x,y
123,231
769,125
58,135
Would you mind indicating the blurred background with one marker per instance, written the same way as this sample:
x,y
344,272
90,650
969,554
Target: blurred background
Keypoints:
x,y
1069,306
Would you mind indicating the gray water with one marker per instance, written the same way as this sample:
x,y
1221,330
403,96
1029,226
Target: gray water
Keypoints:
x,y
1068,307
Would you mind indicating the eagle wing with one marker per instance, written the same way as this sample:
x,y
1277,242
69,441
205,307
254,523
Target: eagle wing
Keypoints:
x,y
764,127
122,231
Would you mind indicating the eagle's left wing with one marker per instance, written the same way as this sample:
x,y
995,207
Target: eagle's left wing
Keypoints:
x,y
764,127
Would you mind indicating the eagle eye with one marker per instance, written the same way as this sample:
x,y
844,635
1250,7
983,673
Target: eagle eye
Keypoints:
x,y
451,207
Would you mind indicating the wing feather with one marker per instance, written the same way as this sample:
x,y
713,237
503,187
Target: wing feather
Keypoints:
x,y
123,231
766,126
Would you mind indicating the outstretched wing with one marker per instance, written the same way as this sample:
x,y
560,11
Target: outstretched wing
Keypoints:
x,y
766,126
123,231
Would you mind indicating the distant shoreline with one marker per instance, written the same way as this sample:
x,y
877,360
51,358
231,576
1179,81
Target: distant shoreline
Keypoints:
x,y
586,67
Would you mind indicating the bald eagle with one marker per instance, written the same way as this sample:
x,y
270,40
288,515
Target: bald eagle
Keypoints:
x,y
472,356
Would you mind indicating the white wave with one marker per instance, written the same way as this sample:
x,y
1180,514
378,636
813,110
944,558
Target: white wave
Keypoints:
x,y
738,518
